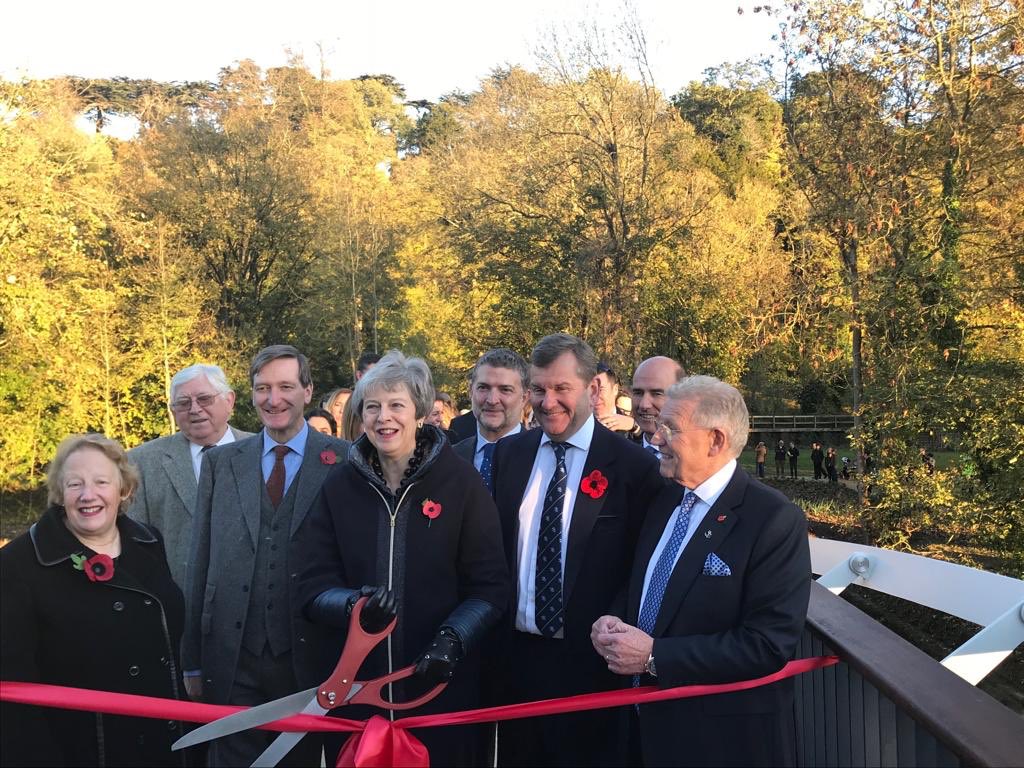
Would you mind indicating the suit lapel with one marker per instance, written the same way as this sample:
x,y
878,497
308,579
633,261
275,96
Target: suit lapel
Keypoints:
x,y
177,463
585,510
712,531
654,527
245,465
310,478
516,467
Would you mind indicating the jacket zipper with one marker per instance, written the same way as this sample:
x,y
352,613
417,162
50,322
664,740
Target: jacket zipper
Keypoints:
x,y
391,569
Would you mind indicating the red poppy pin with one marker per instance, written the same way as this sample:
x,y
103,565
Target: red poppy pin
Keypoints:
x,y
594,484
431,510
328,457
721,518
96,568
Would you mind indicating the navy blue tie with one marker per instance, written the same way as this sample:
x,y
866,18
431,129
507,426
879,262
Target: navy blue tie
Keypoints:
x,y
547,586
663,569
487,468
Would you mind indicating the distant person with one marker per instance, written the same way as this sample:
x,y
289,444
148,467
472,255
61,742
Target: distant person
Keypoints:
x,y
760,456
818,460
351,425
846,467
794,454
928,461
604,402
780,460
365,362
87,600
868,463
830,465
322,421
201,401
441,412
334,402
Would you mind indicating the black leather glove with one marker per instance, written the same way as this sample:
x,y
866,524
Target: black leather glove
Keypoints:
x,y
438,662
379,609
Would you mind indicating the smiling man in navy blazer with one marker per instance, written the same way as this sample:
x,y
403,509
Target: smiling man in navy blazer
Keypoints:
x,y
571,497
718,593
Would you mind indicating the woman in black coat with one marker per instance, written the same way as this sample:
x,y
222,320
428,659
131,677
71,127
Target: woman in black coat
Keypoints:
x,y
88,602
410,524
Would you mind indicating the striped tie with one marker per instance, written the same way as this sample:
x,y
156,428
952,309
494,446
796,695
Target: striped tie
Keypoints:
x,y
548,584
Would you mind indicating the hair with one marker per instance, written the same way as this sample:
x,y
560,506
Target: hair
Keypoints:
x,y
276,352
366,360
323,414
328,400
502,357
444,397
350,421
550,348
392,371
109,448
603,367
717,405
213,373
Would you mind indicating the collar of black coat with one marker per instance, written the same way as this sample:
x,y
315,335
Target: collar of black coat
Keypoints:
x,y
359,456
54,543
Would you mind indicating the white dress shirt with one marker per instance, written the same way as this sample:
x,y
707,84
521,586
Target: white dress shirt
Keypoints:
x,y
649,446
532,507
482,442
197,450
707,494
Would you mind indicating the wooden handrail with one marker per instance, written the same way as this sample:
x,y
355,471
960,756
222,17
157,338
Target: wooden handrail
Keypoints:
x,y
969,722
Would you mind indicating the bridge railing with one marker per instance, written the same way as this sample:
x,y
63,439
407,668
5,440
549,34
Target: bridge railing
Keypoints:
x,y
802,423
888,703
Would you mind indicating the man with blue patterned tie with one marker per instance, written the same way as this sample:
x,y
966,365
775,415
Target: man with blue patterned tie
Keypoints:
x,y
571,498
651,381
718,593
497,389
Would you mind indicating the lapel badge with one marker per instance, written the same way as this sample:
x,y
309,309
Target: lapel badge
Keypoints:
x,y
707,534
721,518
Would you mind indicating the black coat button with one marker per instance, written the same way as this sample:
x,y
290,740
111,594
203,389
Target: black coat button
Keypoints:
x,y
238,625
147,601
133,670
118,606
172,725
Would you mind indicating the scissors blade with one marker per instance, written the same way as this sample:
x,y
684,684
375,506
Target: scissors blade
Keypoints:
x,y
283,744
247,718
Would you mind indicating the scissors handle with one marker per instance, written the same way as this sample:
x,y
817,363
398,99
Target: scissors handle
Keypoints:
x,y
333,692
370,692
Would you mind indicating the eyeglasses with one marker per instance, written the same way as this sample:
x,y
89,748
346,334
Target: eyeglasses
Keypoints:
x,y
184,404
666,433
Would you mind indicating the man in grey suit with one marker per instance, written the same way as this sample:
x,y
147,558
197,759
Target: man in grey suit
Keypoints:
x,y
246,640
202,402
497,389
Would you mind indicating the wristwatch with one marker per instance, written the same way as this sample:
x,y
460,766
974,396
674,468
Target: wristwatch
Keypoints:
x,y
649,668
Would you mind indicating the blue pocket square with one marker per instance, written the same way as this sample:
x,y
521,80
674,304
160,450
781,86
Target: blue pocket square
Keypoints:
x,y
716,566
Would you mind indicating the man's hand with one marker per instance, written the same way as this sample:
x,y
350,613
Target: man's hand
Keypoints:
x,y
618,422
194,687
624,647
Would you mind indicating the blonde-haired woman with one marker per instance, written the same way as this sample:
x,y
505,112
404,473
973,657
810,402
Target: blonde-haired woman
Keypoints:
x,y
88,602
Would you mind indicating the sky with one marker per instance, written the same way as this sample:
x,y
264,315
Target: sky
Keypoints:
x,y
432,47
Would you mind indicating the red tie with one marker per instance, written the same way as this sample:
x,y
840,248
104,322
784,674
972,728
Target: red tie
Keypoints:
x,y
275,483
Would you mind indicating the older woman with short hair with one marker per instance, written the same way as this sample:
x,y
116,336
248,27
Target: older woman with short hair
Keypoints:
x,y
88,602
409,524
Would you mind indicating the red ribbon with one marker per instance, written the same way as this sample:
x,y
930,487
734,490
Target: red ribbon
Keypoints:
x,y
380,742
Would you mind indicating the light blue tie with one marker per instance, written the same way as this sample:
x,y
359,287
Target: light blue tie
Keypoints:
x,y
663,569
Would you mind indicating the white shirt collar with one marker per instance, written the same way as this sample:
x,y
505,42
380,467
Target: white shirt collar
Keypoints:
x,y
580,439
482,442
712,488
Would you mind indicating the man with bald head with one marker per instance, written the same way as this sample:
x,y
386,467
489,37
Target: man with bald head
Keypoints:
x,y
651,381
